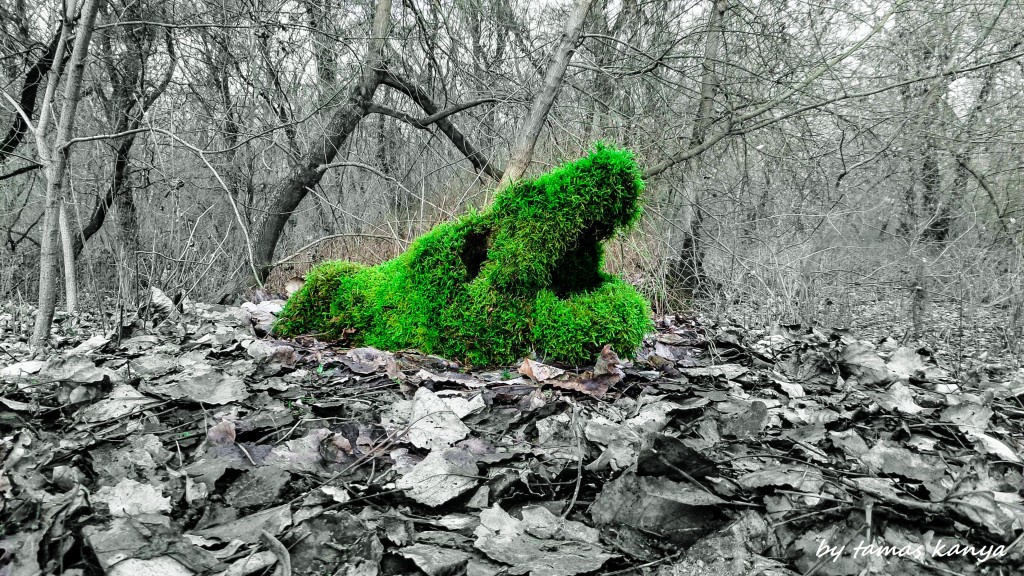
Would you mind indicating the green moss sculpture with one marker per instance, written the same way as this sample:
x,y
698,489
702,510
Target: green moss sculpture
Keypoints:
x,y
525,274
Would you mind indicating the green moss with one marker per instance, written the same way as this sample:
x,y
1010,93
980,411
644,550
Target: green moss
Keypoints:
x,y
309,309
577,327
491,286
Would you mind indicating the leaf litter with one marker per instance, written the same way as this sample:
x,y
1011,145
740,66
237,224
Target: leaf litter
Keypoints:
x,y
204,446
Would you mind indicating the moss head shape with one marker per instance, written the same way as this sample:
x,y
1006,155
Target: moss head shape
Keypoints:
x,y
525,274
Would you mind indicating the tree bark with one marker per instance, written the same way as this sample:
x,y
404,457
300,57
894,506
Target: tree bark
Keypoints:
x,y
294,188
964,152
682,230
604,55
131,288
29,93
56,159
528,135
118,182
129,103
935,207
68,252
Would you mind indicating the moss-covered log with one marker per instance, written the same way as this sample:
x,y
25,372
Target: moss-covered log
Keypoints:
x,y
525,274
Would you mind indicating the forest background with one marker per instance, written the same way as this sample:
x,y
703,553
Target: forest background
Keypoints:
x,y
802,159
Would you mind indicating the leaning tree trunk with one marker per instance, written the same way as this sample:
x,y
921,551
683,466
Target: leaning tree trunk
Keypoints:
x,y
56,160
527,141
103,203
29,92
294,188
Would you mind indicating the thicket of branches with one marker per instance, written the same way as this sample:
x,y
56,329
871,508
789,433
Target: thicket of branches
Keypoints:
x,y
795,152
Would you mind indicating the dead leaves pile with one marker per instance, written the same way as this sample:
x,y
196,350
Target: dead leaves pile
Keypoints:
x,y
199,448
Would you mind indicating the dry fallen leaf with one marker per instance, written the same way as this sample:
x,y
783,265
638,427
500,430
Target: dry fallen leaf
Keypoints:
x,y
293,285
222,434
607,373
608,362
468,440
748,423
539,372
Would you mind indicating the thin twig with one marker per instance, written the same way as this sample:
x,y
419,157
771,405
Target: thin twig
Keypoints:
x,y
284,559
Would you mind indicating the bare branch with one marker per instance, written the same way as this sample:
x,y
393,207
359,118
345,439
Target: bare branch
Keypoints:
x,y
425,102
21,170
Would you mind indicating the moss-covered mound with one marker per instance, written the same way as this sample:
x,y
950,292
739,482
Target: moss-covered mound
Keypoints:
x,y
488,288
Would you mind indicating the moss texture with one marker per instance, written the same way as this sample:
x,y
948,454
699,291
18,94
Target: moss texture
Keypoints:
x,y
525,274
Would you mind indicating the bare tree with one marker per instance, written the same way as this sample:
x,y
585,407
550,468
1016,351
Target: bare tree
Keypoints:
x,y
127,51
534,123
770,133
291,191
682,229
55,158
27,99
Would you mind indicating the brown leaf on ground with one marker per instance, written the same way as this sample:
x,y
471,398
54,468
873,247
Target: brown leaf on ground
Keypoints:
x,y
539,372
737,420
222,433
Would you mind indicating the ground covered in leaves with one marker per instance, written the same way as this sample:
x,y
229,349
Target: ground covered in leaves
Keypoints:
x,y
201,446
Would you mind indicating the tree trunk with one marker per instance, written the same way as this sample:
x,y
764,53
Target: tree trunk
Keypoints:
x,y
29,92
320,19
934,206
604,54
68,252
128,245
523,151
963,153
682,229
125,109
118,182
294,188
56,160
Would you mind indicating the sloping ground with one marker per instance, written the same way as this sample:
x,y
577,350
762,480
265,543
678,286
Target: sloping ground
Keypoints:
x,y
199,448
